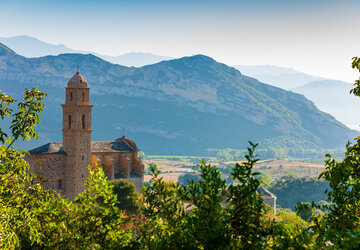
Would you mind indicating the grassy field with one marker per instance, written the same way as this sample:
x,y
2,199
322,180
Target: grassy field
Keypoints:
x,y
172,169
279,168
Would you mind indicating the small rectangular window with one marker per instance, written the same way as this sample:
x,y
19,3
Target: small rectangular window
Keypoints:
x,y
60,184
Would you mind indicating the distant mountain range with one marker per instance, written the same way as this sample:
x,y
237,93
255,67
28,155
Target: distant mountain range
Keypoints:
x,y
331,96
334,97
32,47
181,106
285,78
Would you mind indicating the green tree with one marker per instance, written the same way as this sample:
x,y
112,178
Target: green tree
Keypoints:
x,y
164,212
127,197
289,217
184,179
294,190
206,220
305,211
246,205
19,200
340,225
265,179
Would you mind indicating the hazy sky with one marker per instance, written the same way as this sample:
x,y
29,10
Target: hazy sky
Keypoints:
x,y
316,37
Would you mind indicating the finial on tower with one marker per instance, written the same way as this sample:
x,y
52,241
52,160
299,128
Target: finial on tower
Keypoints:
x,y
77,70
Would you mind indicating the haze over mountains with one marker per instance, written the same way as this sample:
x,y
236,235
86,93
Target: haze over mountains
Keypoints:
x,y
331,96
285,78
32,47
334,97
181,106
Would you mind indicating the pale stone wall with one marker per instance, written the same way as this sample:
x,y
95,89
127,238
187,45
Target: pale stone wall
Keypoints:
x,y
271,202
76,136
138,182
50,169
122,164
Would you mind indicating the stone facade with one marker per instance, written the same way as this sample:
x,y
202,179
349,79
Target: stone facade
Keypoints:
x,y
269,198
63,166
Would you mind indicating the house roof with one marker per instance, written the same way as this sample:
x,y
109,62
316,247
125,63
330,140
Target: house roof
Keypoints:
x,y
266,193
118,145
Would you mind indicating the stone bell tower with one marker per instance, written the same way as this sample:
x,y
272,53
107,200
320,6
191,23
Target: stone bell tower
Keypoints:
x,y
76,134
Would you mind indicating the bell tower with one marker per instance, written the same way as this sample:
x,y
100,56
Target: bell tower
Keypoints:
x,y
76,134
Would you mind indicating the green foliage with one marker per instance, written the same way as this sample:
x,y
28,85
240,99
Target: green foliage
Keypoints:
x,y
265,179
96,224
127,197
186,178
356,65
164,211
304,210
289,217
293,190
208,217
246,205
341,223
19,200
208,214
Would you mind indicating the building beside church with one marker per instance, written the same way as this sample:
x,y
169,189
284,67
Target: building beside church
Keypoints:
x,y
64,166
269,198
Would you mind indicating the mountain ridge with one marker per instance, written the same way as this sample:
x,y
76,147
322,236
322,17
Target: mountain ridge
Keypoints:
x,y
333,96
32,47
285,78
180,106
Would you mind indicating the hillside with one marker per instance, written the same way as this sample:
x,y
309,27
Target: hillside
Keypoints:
x,y
181,106
333,97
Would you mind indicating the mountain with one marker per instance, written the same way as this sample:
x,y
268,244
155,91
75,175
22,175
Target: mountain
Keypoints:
x,y
32,47
333,97
135,59
4,47
181,106
285,78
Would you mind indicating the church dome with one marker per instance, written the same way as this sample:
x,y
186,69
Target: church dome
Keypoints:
x,y
130,142
77,81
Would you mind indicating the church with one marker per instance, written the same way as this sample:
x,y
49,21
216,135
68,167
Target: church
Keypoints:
x,y
64,166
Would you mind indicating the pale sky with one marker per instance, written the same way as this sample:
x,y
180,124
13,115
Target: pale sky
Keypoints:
x,y
318,37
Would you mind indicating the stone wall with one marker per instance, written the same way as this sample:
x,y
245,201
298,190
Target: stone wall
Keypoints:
x,y
49,168
138,182
122,165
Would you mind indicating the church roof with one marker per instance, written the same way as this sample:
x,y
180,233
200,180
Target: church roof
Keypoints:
x,y
49,148
77,81
110,146
118,145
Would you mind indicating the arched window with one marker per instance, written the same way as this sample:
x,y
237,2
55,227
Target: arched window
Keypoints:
x,y
83,97
69,122
71,96
83,121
